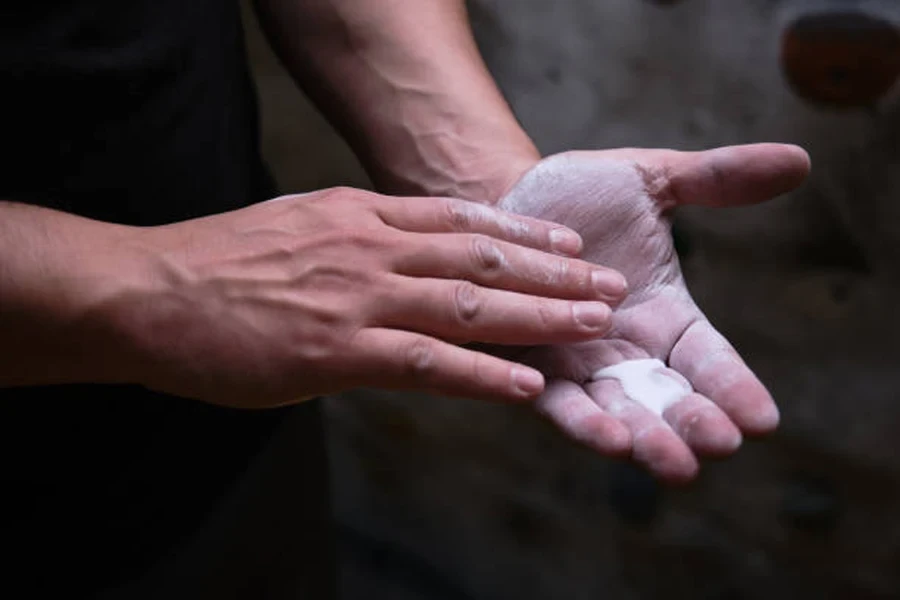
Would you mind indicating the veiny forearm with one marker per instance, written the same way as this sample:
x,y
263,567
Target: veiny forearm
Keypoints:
x,y
405,84
57,274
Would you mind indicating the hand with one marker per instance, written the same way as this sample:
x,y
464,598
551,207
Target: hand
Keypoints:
x,y
314,294
700,397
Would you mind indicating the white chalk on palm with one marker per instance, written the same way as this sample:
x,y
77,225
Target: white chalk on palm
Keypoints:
x,y
644,382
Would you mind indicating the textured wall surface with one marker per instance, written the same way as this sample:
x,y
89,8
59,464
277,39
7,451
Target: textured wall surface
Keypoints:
x,y
451,499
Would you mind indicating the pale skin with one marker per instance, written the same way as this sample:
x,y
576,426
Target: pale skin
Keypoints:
x,y
621,201
406,85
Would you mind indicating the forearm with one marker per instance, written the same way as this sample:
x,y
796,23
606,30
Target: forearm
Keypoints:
x,y
58,273
404,83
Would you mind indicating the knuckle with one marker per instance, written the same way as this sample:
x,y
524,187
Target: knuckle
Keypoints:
x,y
348,195
477,368
329,207
347,192
468,302
486,256
512,226
658,182
547,315
366,242
561,273
334,193
459,216
554,272
419,359
584,279
350,242
360,236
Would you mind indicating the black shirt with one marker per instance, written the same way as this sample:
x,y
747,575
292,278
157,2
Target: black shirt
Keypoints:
x,y
139,112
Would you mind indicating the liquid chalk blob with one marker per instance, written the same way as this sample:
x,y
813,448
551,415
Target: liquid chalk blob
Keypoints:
x,y
645,383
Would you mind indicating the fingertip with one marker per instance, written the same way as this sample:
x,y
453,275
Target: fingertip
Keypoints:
x,y
666,457
527,383
593,317
739,175
801,157
610,284
762,422
732,443
679,475
796,165
788,164
717,440
682,478
707,430
751,407
565,241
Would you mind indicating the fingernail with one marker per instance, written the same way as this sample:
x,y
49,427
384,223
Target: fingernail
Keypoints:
x,y
565,241
528,382
609,283
592,315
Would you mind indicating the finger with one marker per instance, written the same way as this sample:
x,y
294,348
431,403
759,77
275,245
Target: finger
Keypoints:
x,y
655,445
665,392
714,369
703,426
501,265
568,406
448,215
728,176
401,360
464,312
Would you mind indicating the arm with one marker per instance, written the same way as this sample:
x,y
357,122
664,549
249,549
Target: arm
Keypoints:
x,y
404,83
57,271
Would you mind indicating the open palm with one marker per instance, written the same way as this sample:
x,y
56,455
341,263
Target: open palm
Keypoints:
x,y
700,397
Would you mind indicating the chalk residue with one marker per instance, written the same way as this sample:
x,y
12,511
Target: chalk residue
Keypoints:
x,y
645,382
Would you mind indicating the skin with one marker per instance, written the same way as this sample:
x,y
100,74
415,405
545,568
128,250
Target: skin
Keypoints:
x,y
622,201
294,298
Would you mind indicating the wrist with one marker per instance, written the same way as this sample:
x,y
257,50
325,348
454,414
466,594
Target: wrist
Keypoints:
x,y
115,276
476,162
140,312
59,276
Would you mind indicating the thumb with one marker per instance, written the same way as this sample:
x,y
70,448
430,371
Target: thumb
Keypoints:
x,y
729,176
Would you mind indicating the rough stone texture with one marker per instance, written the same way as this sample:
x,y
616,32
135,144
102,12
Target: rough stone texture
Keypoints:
x,y
475,501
